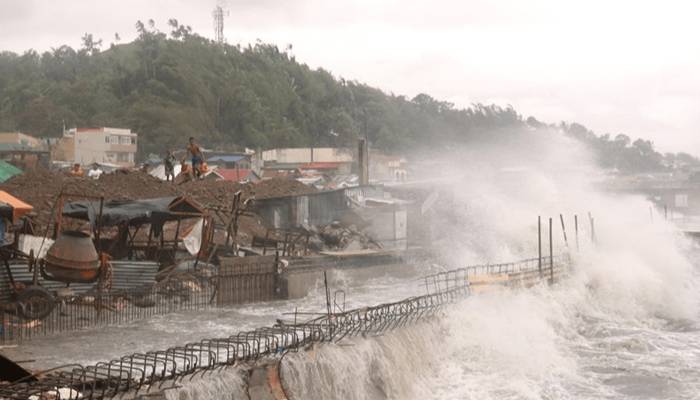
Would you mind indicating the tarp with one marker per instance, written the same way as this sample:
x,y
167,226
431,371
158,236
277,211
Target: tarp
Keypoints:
x,y
13,208
135,212
193,240
7,171
37,244
159,171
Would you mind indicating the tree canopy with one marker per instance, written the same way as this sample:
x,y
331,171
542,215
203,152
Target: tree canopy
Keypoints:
x,y
168,86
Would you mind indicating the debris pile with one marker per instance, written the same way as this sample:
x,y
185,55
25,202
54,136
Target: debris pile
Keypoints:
x,y
41,187
337,236
219,194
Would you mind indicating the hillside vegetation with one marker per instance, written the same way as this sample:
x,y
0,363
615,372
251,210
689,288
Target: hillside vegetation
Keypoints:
x,y
168,87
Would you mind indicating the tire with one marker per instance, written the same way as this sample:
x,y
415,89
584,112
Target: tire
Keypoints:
x,y
35,302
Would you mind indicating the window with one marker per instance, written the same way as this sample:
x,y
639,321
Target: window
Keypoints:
x,y
133,140
114,139
125,140
107,139
123,157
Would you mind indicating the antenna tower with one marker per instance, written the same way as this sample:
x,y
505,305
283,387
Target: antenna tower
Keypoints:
x,y
218,15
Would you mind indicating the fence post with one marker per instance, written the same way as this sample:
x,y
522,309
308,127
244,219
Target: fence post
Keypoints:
x,y
539,245
551,254
563,230
576,231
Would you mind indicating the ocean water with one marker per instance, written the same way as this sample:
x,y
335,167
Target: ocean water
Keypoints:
x,y
625,324
601,333
575,340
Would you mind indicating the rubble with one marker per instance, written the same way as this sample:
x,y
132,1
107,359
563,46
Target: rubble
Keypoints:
x,y
337,236
40,188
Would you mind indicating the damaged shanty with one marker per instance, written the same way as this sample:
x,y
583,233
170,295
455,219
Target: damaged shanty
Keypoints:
x,y
348,219
103,262
106,263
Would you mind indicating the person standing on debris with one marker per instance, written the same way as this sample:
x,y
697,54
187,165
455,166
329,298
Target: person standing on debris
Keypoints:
x,y
95,172
77,170
197,157
169,164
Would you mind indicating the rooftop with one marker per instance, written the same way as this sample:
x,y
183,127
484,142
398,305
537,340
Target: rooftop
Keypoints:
x,y
234,174
321,165
227,158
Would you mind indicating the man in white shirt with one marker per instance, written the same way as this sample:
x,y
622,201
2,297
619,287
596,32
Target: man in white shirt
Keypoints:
x,y
94,173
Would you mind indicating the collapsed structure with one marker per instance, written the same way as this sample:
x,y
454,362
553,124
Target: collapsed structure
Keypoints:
x,y
128,245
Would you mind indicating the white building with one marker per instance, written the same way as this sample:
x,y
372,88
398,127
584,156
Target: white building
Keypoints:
x,y
103,145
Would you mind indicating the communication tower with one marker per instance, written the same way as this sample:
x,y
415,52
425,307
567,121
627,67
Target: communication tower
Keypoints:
x,y
218,15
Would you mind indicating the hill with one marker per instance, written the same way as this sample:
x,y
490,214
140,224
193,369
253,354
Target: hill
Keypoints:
x,y
168,87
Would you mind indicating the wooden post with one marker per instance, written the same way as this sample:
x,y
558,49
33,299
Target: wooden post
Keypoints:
x,y
98,228
576,231
563,230
177,233
539,244
551,254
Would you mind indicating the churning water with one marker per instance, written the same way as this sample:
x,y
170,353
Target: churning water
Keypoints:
x,y
564,342
611,330
624,325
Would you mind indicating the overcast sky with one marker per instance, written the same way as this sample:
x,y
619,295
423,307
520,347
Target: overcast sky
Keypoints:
x,y
617,66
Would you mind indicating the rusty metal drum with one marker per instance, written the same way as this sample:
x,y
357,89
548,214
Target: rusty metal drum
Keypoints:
x,y
73,258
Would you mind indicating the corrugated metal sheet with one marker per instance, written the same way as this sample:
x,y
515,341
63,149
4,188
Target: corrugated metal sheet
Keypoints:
x,y
326,207
133,274
125,275
319,208
246,279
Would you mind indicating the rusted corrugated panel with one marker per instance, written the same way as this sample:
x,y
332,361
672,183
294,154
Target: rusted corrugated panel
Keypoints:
x,y
125,275
133,274
246,279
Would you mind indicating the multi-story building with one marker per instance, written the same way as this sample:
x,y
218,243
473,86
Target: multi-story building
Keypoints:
x,y
23,150
319,159
103,145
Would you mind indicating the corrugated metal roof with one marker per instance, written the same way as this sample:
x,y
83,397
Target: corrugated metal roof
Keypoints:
x,y
235,174
321,165
226,158
8,170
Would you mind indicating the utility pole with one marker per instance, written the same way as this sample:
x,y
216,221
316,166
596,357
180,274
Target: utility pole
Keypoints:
x,y
551,254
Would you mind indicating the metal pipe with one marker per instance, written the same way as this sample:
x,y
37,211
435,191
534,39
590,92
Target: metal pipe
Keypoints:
x,y
576,230
563,230
539,244
551,254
